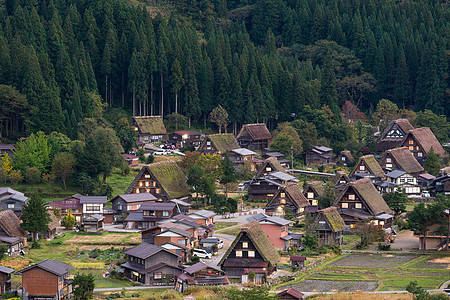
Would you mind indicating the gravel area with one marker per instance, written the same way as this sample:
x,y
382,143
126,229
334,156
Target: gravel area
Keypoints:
x,y
331,286
373,260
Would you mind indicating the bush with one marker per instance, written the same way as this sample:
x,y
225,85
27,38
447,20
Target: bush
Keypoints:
x,y
150,159
3,250
187,148
384,247
35,245
68,221
33,176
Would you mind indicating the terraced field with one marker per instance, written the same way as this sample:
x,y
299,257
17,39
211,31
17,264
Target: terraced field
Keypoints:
x,y
375,272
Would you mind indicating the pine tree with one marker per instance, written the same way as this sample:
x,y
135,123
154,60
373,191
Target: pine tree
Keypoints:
x,y
328,93
35,216
192,101
177,81
402,86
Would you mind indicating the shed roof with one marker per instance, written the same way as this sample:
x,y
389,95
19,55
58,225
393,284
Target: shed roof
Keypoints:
x,y
7,147
405,160
6,270
141,197
396,173
203,213
291,292
158,206
150,124
263,217
93,199
426,138
243,151
257,131
200,266
146,250
53,266
260,240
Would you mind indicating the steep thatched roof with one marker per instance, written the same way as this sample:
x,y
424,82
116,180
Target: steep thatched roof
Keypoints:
x,y
150,125
259,239
337,177
273,163
10,224
169,175
294,191
426,138
348,154
372,165
223,142
333,218
405,160
369,195
316,186
257,131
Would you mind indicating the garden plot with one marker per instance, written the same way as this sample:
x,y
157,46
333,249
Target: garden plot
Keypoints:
x,y
106,239
372,261
333,286
441,263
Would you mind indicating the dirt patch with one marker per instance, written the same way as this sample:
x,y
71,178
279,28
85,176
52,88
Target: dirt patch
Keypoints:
x,y
329,286
359,295
373,261
16,263
101,247
441,260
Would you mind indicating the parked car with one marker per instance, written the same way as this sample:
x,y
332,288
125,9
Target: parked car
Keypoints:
x,y
201,253
220,244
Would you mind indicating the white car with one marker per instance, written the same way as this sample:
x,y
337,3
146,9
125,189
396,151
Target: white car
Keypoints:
x,y
201,253
159,152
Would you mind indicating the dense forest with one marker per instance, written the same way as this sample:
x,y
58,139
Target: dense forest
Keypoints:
x,y
265,60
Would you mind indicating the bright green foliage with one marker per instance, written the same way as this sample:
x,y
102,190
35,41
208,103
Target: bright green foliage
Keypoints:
x,y
126,135
328,197
287,140
219,116
194,176
34,152
385,112
396,201
35,217
15,176
83,286
256,293
419,292
228,173
437,123
432,164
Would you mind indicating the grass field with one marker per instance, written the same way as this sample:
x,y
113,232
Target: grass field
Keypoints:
x,y
231,231
375,272
223,225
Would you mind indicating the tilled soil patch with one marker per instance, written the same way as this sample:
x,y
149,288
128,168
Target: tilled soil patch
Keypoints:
x,y
332,286
372,260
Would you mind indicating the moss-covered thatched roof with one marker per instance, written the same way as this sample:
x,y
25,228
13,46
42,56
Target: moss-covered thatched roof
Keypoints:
x,y
333,218
223,142
150,125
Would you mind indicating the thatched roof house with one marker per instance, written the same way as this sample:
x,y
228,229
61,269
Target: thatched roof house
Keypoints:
x,y
219,144
368,164
420,141
393,135
401,158
150,128
254,136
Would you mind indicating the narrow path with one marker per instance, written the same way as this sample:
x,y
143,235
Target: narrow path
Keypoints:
x,y
131,288
445,285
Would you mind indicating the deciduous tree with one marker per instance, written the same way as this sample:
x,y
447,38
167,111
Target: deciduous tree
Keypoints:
x,y
63,166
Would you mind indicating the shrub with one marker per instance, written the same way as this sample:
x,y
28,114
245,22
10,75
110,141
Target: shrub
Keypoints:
x,y
33,176
384,247
3,250
68,221
35,245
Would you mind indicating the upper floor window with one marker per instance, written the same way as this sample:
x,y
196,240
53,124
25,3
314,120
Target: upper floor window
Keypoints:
x,y
351,197
244,244
147,176
388,159
268,169
310,195
251,254
10,205
92,207
358,205
411,142
362,168
165,213
344,205
282,195
238,253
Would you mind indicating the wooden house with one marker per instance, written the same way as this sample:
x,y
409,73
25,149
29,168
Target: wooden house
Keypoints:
x,y
12,200
290,294
94,212
330,227
131,160
218,144
47,279
440,185
186,138
444,171
277,229
436,238
401,159
165,180
241,156
368,165
345,158
420,141
289,196
313,191
405,181
254,136
122,205
268,179
11,234
318,155
297,261
150,129
285,163
360,200
71,204
180,250
174,235
339,180
203,217
149,214
200,274
250,251
7,149
393,135
425,179
151,265
5,279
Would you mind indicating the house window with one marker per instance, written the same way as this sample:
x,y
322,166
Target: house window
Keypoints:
x,y
141,183
419,154
417,148
244,245
388,165
146,176
344,205
151,212
119,207
381,223
351,197
10,205
283,229
137,191
402,180
310,195
314,202
358,205
268,169
158,191
375,222
251,254
147,190
410,142
153,183
388,160
362,168
343,158
181,242
411,148
147,183
283,201
410,180
91,207
282,195
129,207
238,253
165,213
208,143
157,275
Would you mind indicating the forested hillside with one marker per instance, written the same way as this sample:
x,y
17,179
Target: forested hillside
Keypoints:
x,y
61,61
